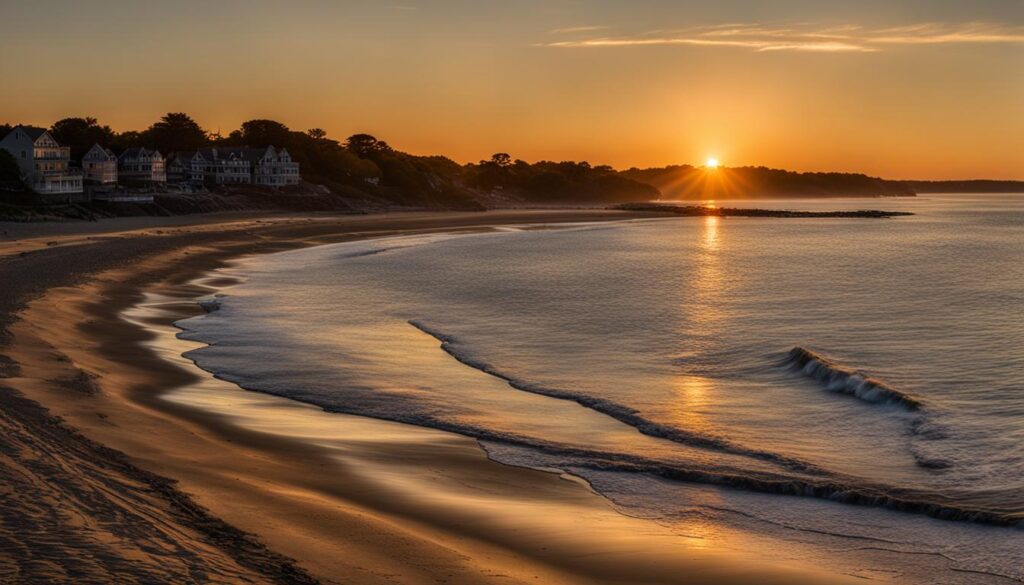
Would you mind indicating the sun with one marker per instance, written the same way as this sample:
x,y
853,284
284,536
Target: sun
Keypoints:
x,y
712,163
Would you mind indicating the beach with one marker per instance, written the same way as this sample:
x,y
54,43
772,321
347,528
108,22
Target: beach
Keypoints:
x,y
129,485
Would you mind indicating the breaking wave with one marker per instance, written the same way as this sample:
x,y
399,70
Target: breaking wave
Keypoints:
x,y
838,378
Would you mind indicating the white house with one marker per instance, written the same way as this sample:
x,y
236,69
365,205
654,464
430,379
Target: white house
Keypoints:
x,y
273,167
142,165
45,165
100,165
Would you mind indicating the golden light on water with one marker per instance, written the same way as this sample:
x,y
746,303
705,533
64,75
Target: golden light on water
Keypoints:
x,y
710,237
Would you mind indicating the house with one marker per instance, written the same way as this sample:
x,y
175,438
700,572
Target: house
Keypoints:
x,y
100,165
186,168
45,165
141,165
272,167
227,166
220,165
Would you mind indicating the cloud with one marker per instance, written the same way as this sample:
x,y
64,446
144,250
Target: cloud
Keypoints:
x,y
804,37
820,46
933,33
577,29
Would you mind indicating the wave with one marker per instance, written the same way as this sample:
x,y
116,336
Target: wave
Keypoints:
x,y
624,414
894,499
837,378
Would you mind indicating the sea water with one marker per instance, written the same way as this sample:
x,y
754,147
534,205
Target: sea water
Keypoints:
x,y
854,386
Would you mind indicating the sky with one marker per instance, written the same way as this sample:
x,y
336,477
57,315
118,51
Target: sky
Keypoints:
x,y
930,89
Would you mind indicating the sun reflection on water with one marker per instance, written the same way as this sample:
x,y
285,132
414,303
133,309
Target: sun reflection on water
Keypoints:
x,y
703,315
710,232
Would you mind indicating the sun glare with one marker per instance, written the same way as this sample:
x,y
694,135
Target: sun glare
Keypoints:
x,y
712,163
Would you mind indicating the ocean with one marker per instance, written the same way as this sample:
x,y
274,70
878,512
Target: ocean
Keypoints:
x,y
851,387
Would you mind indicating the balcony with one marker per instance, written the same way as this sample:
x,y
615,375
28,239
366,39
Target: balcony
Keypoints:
x,y
57,186
70,173
62,153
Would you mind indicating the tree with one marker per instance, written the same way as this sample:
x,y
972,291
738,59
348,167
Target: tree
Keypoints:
x,y
80,134
316,133
127,139
365,145
262,133
502,159
174,132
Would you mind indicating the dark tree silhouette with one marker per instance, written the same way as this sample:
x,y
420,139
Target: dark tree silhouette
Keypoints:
x,y
366,146
127,139
261,133
317,133
175,131
80,134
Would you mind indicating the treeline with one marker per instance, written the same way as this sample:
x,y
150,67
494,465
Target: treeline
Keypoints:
x,y
969,186
362,166
545,181
688,182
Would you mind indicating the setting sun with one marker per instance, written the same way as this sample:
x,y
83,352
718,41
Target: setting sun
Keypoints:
x,y
712,163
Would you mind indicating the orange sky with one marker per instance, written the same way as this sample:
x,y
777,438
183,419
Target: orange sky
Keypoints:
x,y
923,89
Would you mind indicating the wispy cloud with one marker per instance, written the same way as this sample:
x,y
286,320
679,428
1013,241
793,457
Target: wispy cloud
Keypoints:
x,y
804,37
933,33
822,46
577,29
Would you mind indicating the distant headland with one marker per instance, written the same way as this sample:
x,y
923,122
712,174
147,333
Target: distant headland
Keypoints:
x,y
687,182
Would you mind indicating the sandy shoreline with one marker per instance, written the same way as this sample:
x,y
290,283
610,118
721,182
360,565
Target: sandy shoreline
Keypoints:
x,y
349,499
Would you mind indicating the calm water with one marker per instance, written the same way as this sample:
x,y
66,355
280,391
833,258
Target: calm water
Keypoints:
x,y
655,359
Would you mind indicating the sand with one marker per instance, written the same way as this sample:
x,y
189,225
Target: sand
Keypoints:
x,y
157,472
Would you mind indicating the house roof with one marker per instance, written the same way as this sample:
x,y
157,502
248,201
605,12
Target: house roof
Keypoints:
x,y
221,153
34,132
103,149
184,155
255,154
139,152
235,153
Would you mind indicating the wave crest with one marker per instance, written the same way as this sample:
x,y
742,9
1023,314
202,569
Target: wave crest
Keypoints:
x,y
838,378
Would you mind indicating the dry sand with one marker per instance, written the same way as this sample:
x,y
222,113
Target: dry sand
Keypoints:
x,y
210,483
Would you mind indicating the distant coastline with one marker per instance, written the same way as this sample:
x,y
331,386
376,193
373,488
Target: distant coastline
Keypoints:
x,y
967,186
685,182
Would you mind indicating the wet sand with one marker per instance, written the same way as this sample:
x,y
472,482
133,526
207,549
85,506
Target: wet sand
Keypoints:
x,y
265,489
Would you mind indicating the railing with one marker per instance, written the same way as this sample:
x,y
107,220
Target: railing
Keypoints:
x,y
69,172
64,153
55,187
